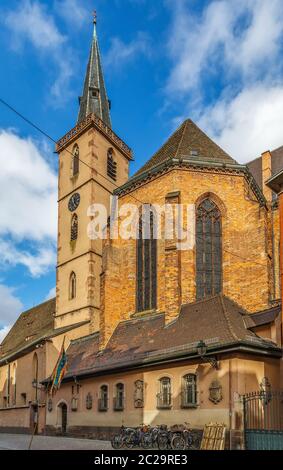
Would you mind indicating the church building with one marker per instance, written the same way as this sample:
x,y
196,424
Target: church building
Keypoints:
x,y
154,333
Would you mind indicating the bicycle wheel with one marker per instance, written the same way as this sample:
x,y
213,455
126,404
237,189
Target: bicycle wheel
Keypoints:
x,y
178,442
130,441
196,443
117,442
162,442
146,442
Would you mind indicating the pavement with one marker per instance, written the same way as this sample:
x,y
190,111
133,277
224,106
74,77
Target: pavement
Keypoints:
x,y
22,442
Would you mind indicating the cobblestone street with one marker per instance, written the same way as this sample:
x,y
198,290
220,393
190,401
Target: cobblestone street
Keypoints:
x,y
22,441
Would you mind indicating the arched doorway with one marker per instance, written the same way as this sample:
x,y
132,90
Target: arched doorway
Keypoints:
x,y
63,417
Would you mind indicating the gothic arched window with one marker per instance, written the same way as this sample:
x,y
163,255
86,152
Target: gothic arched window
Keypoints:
x,y
111,165
146,263
76,160
208,250
74,227
73,286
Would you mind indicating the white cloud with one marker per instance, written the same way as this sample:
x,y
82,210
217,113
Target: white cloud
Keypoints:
x,y
28,194
28,190
51,294
10,308
4,331
32,24
234,36
235,45
249,124
73,12
121,53
38,261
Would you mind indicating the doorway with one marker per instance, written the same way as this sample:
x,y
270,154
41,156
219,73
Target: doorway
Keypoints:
x,y
34,419
63,410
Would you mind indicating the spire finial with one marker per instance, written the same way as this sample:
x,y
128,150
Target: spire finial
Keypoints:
x,y
94,14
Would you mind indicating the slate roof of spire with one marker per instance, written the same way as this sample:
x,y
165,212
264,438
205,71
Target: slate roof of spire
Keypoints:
x,y
94,99
188,141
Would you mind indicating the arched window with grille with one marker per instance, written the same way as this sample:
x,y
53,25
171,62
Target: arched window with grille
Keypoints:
x,y
164,397
74,227
189,391
72,286
119,397
103,399
76,160
146,297
208,249
111,165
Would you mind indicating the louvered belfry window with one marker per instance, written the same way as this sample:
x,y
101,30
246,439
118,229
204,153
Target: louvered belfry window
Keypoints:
x,y
76,160
74,227
208,250
111,165
146,264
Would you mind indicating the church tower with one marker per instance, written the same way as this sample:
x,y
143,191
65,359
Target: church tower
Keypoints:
x,y
93,161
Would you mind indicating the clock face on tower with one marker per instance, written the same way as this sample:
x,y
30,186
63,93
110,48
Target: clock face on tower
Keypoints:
x,y
74,202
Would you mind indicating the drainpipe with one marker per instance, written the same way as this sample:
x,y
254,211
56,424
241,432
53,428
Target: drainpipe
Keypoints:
x,y
280,202
276,184
230,405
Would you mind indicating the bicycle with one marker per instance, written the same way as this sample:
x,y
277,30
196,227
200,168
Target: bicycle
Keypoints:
x,y
185,438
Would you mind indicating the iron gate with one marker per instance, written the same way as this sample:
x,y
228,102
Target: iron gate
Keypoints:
x,y
263,420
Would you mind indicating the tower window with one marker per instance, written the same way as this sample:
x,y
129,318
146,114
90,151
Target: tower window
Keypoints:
x,y
73,286
111,165
208,249
76,160
146,263
74,227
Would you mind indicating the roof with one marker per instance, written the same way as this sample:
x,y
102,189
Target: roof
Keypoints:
x,y
217,320
94,99
30,325
188,141
255,166
262,318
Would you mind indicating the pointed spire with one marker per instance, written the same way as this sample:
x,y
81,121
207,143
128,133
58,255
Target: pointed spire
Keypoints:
x,y
94,99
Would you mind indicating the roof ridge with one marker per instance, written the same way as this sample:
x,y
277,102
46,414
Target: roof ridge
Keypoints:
x,y
182,137
226,316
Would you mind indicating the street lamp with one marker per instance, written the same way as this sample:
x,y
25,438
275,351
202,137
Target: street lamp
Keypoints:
x,y
202,350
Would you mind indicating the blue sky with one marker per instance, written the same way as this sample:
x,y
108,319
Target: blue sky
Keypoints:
x,y
218,62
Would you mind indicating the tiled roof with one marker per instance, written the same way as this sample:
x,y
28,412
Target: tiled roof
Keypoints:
x,y
262,318
191,142
31,325
216,320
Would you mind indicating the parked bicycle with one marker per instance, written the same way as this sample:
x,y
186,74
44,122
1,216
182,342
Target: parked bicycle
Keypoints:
x,y
119,440
183,437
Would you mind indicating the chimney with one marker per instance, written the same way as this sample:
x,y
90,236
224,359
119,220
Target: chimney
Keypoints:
x,y
266,168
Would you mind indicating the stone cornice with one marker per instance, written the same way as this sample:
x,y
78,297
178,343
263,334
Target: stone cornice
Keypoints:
x,y
93,121
215,167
